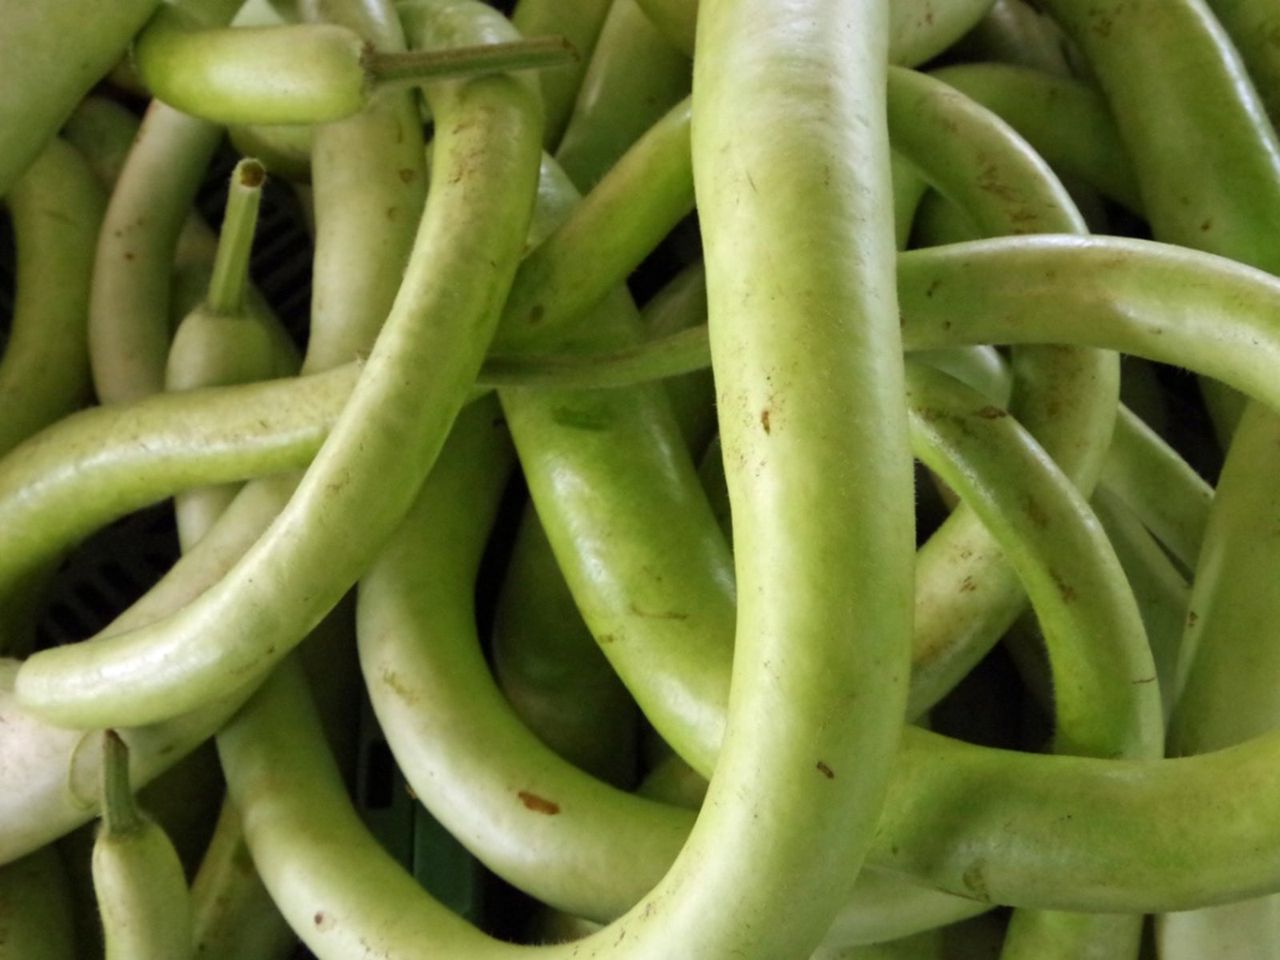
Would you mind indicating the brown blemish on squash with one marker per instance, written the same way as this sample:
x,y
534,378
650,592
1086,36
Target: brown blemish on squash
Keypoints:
x,y
538,804
825,770
1067,591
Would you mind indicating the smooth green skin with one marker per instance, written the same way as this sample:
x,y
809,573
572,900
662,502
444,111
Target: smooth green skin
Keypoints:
x,y
1030,204
1107,703
682,305
604,239
212,348
659,598
148,223
938,222
97,465
1228,658
1094,269
795,205
36,909
298,74
412,386
634,77
1158,585
225,340
981,367
1232,931
137,877
232,915
311,73
417,651
1252,26
551,660
923,946
49,781
467,755
1014,32
1064,119
369,176
38,803
104,132
581,22
448,724
53,53
1043,270
1228,662
326,891
1154,482
129,326
1172,79
550,669
1153,284
918,29
966,595
51,771
1225,407
1144,298
758,767
909,189
55,211
1067,832
1208,164
545,657
1028,198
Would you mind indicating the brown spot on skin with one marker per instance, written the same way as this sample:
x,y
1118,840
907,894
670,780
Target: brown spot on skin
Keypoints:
x,y
934,284
407,175
322,920
392,681
1036,513
1205,227
538,804
991,413
606,638
764,420
1192,618
658,614
967,585
826,771
976,883
128,255
1068,592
